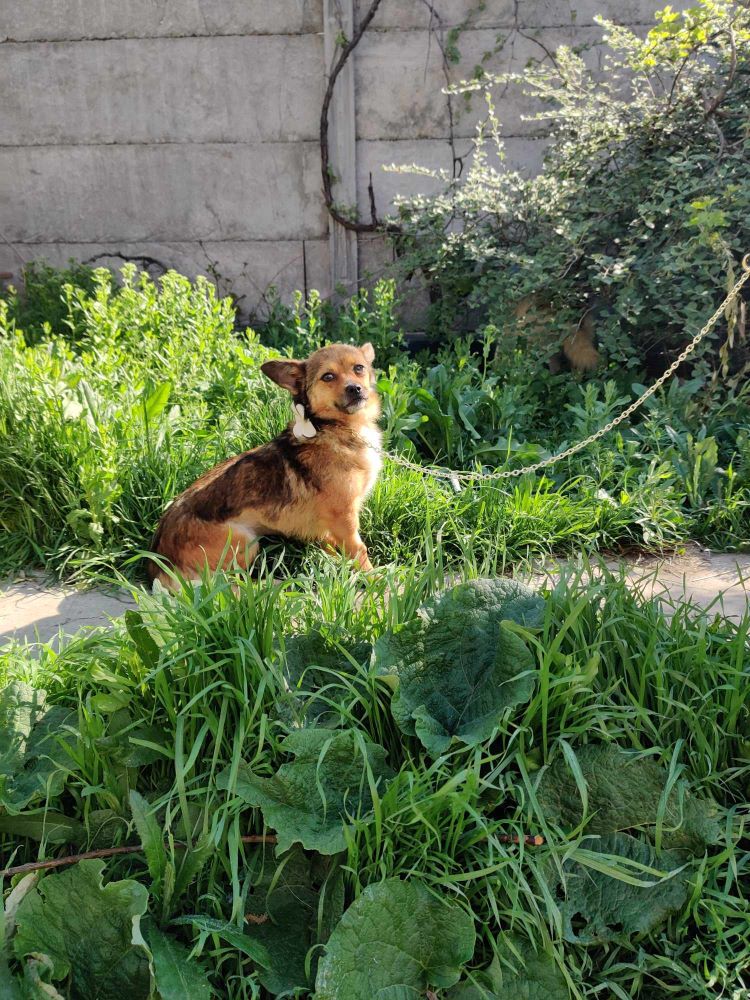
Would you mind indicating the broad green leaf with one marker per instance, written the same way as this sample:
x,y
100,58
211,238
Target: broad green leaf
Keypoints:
x,y
536,977
151,837
33,760
293,907
177,976
624,793
314,661
20,707
395,941
144,642
309,800
157,401
36,975
458,668
53,827
600,907
88,932
192,863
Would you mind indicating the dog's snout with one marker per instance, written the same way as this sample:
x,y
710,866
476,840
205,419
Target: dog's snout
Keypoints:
x,y
354,389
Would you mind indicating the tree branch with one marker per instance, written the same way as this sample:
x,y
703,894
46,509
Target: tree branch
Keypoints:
x,y
719,99
325,156
109,852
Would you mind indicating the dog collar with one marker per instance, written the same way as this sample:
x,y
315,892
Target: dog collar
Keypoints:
x,y
303,428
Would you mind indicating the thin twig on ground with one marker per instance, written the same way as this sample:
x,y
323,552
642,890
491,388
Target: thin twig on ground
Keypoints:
x,y
110,852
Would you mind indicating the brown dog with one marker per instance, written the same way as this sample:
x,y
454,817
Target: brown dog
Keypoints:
x,y
308,483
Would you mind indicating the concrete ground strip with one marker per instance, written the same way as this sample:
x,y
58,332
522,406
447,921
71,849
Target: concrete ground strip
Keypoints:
x,y
34,610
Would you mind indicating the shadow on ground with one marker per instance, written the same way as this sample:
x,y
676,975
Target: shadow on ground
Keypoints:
x,y
34,611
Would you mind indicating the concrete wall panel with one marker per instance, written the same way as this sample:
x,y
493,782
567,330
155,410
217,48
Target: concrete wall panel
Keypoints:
x,y
400,79
246,268
171,128
162,90
43,20
161,193
408,15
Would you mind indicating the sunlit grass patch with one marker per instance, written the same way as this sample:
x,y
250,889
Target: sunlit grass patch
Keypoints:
x,y
187,691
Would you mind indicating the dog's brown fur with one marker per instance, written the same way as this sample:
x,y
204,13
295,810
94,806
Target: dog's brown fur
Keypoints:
x,y
307,489
534,319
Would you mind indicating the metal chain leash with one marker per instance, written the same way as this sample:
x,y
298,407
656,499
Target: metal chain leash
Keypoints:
x,y
440,472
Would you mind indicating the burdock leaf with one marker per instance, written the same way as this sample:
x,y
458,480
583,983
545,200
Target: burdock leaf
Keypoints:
x,y
20,707
177,976
599,907
314,663
151,836
53,827
624,793
536,976
293,907
458,668
33,760
394,943
309,800
88,931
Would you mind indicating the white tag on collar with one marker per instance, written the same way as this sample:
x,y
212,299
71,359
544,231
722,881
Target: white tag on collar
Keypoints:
x,y
303,428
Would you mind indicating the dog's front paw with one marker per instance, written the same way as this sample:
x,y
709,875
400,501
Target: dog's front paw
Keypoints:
x,y
364,561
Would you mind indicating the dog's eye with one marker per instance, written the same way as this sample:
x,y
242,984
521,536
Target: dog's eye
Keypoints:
x,y
328,377
359,369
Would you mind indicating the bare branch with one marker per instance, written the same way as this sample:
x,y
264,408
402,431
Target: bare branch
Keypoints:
x,y
33,866
109,852
719,99
325,161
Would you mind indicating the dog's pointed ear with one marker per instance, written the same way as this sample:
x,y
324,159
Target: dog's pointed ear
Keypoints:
x,y
288,374
369,352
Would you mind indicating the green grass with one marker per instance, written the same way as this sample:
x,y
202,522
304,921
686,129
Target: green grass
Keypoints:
x,y
197,682
149,386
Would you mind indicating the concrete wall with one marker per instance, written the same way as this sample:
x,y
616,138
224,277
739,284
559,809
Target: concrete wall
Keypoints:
x,y
187,130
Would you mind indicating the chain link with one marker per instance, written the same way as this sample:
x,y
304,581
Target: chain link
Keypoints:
x,y
440,472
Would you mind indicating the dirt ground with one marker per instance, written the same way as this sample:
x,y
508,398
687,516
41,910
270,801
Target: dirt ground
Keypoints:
x,y
32,609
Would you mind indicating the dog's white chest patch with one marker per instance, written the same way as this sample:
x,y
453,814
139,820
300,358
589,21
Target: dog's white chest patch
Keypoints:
x,y
303,429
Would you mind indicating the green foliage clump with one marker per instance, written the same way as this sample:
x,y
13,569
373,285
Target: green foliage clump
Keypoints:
x,y
627,761
309,323
96,436
99,432
43,307
640,215
87,933
343,772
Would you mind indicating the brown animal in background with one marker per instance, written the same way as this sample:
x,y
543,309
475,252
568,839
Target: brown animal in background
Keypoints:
x,y
534,319
308,483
